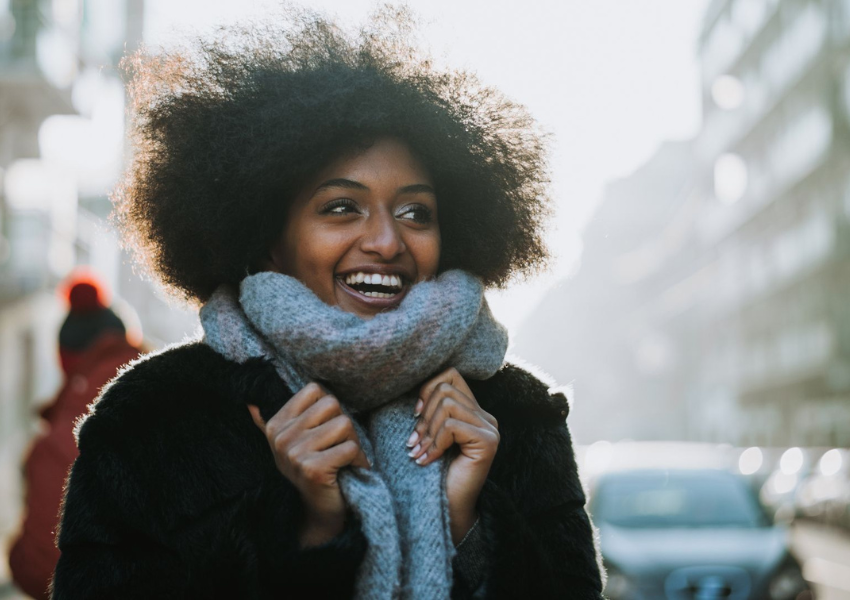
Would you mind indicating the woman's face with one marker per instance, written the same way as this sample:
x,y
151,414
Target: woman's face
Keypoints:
x,y
363,231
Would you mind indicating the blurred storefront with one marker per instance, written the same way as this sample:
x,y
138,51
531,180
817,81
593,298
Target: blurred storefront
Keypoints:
x,y
714,280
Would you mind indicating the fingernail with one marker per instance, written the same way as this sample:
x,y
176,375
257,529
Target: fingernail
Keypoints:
x,y
413,452
414,437
422,459
418,409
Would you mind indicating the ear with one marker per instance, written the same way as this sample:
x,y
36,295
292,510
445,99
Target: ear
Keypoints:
x,y
274,259
267,263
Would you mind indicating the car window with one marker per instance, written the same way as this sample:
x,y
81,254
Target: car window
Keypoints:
x,y
671,499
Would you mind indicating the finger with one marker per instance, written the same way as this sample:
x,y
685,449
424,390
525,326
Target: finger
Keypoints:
x,y
437,424
328,434
361,461
255,415
344,454
446,390
427,425
451,376
445,393
449,408
295,406
460,433
323,410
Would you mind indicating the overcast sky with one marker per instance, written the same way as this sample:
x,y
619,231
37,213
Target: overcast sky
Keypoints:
x,y
610,79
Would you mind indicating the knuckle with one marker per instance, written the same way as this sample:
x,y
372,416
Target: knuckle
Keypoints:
x,y
279,441
291,455
272,436
312,388
342,424
444,404
311,471
329,403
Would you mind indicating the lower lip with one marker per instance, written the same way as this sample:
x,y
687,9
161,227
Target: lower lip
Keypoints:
x,y
373,303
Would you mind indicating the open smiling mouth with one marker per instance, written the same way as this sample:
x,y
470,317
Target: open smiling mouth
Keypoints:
x,y
374,285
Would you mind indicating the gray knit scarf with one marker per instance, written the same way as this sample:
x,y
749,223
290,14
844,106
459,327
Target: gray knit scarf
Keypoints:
x,y
374,367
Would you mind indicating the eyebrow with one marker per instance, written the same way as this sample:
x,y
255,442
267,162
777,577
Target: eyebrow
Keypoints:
x,y
416,188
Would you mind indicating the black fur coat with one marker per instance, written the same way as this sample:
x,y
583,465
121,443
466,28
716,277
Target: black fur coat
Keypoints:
x,y
175,494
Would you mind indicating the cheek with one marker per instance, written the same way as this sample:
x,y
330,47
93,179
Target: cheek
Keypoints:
x,y
426,253
319,260
312,258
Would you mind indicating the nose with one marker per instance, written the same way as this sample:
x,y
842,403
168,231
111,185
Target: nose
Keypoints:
x,y
382,236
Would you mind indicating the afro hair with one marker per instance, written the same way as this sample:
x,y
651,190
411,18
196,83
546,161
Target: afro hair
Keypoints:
x,y
226,131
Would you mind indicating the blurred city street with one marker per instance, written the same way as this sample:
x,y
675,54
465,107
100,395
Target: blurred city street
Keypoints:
x,y
698,321
823,551
825,554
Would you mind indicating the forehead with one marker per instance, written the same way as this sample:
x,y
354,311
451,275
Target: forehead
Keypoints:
x,y
386,160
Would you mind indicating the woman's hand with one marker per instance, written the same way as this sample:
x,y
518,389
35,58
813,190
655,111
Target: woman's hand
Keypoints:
x,y
311,440
450,415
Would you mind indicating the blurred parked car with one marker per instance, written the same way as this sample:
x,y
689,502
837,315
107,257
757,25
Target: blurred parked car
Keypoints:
x,y
690,534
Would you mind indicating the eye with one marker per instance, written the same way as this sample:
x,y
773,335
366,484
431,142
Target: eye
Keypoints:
x,y
418,213
339,206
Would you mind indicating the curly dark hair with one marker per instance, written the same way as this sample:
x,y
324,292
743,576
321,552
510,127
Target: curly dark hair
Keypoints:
x,y
227,130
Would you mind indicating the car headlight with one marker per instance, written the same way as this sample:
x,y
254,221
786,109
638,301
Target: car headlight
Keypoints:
x,y
617,585
788,583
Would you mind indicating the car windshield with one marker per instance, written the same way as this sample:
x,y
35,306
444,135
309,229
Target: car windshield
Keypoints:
x,y
667,499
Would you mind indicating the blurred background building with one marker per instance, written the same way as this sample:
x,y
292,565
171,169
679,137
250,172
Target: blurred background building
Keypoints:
x,y
61,150
711,302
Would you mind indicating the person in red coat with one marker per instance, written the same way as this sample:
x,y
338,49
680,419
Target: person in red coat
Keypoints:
x,y
93,345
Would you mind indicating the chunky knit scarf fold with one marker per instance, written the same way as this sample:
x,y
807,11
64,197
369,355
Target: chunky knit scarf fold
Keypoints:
x,y
374,367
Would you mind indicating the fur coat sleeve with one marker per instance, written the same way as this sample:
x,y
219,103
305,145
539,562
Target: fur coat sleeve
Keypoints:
x,y
532,506
175,494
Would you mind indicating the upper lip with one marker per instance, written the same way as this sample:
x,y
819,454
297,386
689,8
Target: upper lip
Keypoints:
x,y
398,271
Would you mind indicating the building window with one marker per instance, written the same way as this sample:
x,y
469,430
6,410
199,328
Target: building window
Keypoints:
x,y
801,145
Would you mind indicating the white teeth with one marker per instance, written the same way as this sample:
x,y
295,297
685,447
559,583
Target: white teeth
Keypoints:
x,y
390,281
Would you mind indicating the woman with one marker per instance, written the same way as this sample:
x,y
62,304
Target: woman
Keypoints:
x,y
346,427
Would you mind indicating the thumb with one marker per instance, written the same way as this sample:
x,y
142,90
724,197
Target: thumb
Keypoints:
x,y
255,415
361,461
